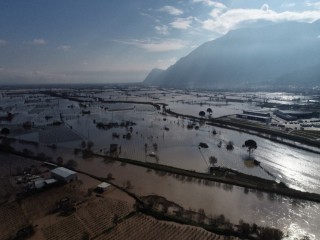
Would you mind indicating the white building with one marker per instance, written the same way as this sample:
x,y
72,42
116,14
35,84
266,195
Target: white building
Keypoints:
x,y
102,187
64,174
39,183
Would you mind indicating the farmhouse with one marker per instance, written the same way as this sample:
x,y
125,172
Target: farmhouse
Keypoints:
x,y
64,174
103,187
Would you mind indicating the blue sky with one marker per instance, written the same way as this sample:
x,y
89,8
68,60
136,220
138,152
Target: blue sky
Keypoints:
x,y
69,41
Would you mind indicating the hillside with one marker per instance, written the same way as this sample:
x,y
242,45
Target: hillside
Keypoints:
x,y
249,57
153,75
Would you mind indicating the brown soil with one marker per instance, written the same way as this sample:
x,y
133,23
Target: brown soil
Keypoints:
x,y
142,227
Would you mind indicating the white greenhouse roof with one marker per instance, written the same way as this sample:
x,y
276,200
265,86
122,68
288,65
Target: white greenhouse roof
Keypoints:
x,y
63,172
39,183
50,181
104,185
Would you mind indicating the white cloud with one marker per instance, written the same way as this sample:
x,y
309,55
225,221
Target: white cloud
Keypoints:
x,y
215,12
158,46
218,8
265,7
182,23
313,4
38,41
165,63
3,42
232,18
171,10
211,3
288,5
162,30
145,14
64,48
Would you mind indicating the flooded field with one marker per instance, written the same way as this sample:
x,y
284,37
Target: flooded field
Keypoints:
x,y
59,126
297,218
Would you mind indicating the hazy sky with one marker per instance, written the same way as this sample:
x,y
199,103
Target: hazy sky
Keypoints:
x,y
47,41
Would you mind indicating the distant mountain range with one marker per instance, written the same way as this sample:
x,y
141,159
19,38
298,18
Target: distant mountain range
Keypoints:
x,y
280,54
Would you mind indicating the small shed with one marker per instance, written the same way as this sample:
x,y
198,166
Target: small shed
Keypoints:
x,y
64,174
39,183
103,187
50,181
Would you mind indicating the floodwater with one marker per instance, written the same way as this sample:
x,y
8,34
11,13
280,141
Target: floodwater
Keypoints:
x,y
178,146
294,217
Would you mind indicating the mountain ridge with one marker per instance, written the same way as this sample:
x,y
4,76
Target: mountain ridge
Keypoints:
x,y
247,56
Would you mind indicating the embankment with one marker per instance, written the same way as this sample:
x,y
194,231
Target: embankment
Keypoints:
x,y
226,176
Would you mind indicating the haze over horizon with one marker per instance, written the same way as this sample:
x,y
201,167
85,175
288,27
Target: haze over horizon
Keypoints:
x,y
110,41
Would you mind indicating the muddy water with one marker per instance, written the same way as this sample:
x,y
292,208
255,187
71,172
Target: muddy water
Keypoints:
x,y
298,168
178,146
297,218
219,109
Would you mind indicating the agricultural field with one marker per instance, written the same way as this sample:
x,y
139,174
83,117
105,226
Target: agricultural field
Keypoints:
x,y
90,220
10,167
142,227
6,189
69,228
102,214
12,219
41,204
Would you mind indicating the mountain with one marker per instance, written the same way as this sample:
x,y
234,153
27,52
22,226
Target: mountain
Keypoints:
x,y
248,57
153,75
307,77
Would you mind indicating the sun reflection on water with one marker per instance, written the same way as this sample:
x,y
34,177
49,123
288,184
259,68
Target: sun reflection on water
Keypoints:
x,y
295,232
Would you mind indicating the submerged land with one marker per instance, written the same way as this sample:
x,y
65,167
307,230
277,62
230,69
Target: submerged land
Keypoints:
x,y
171,156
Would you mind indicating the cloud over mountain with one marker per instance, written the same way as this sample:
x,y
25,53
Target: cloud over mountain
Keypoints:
x,y
249,56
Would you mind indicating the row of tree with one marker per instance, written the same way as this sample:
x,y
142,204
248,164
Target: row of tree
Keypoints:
x,y
202,113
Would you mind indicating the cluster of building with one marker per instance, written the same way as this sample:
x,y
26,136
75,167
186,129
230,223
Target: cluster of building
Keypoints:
x,y
64,175
256,116
287,115
59,174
